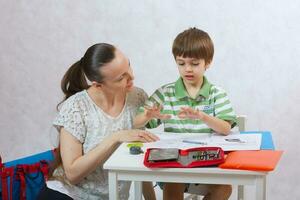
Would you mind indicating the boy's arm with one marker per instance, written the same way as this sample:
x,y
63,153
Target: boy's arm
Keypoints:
x,y
149,113
218,125
140,120
224,117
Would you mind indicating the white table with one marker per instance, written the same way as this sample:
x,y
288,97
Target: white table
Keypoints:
x,y
123,166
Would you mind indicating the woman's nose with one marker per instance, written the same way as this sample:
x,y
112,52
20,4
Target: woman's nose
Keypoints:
x,y
130,73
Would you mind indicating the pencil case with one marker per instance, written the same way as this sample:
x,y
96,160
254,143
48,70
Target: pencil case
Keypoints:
x,y
183,158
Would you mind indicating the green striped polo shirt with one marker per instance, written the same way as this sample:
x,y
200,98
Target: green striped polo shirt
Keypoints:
x,y
211,99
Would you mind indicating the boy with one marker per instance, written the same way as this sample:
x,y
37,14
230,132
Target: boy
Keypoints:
x,y
191,104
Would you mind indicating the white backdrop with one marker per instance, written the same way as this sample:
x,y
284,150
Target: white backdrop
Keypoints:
x,y
257,50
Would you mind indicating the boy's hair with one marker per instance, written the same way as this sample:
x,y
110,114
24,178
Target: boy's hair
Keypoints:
x,y
193,43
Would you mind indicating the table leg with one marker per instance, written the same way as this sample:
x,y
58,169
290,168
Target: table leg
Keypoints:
x,y
113,185
137,190
240,192
260,188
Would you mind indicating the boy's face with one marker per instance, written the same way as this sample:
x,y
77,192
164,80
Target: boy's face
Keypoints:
x,y
191,70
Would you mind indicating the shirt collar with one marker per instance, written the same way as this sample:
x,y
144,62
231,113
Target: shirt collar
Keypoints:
x,y
180,91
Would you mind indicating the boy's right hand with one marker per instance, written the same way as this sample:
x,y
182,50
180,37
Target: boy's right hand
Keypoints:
x,y
154,112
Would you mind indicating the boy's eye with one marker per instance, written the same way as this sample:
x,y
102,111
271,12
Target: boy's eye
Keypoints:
x,y
180,64
195,64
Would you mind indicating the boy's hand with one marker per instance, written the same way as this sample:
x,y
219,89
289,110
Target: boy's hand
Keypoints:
x,y
190,113
154,112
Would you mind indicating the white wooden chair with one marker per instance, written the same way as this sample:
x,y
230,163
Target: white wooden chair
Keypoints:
x,y
241,126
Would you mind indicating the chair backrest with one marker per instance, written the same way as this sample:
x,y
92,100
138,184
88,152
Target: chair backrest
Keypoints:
x,y
241,122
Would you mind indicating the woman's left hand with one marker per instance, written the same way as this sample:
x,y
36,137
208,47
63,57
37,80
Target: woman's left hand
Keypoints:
x,y
135,135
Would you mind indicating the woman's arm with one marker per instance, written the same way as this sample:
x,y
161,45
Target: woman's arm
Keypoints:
x,y
78,165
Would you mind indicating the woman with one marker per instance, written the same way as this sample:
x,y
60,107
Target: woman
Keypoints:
x,y
92,121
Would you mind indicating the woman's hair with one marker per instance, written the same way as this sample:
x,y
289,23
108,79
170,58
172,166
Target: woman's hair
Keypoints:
x,y
193,43
88,67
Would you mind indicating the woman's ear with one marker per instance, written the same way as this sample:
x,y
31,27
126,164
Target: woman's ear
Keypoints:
x,y
96,85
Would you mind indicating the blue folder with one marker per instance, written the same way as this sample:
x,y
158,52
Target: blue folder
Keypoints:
x,y
266,139
47,155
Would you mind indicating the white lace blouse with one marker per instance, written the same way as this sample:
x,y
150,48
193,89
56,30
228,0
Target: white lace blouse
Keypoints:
x,y
81,117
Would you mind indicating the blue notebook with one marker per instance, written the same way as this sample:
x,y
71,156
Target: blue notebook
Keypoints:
x,y
266,139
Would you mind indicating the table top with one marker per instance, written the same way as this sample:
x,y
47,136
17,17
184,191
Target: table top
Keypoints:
x,y
121,160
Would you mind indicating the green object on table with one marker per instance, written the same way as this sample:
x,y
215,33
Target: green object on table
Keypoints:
x,y
135,144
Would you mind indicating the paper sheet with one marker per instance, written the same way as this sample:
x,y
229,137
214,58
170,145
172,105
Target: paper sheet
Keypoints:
x,y
232,142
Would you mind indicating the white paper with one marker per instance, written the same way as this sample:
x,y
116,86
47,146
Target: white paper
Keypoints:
x,y
231,142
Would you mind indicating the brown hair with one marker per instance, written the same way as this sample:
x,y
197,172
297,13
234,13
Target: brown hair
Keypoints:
x,y
193,43
88,67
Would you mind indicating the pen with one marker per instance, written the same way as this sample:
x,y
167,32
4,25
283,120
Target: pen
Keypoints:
x,y
234,140
194,142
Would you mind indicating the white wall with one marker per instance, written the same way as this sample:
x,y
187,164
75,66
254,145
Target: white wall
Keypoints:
x,y
257,61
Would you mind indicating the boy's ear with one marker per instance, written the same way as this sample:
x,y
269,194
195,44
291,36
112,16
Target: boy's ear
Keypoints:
x,y
207,65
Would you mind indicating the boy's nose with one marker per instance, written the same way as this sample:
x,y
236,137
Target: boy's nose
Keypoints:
x,y
188,68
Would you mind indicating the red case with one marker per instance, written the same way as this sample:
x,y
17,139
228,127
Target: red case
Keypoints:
x,y
185,152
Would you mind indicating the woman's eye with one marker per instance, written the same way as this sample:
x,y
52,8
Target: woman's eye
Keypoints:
x,y
195,64
121,78
180,64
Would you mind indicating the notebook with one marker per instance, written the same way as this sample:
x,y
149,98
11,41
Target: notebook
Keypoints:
x,y
266,139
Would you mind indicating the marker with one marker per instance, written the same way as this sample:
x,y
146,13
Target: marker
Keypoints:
x,y
234,140
194,142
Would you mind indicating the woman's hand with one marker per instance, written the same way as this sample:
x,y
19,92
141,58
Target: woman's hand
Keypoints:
x,y
135,135
154,112
190,113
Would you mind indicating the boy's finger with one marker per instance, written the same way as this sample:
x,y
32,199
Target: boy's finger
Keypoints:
x,y
149,108
165,116
160,107
183,108
181,115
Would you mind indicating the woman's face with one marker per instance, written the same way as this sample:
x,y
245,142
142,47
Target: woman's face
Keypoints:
x,y
118,75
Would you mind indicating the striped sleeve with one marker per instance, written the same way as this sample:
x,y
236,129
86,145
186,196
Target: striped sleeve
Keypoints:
x,y
223,107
